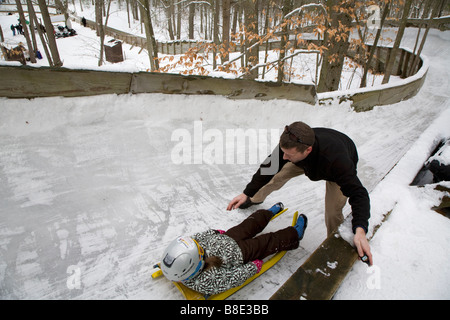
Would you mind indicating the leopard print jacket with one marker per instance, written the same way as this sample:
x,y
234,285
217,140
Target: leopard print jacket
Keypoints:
x,y
233,271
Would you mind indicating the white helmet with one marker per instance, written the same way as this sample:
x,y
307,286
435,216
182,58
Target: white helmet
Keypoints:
x,y
182,260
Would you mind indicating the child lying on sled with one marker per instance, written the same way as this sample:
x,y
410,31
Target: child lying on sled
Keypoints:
x,y
214,261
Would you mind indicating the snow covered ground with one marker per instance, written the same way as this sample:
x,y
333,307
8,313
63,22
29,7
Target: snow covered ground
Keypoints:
x,y
91,192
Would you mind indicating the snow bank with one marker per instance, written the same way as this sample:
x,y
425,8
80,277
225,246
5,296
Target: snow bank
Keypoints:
x,y
411,248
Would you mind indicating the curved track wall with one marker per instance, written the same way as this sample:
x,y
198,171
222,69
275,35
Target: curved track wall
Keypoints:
x,y
29,82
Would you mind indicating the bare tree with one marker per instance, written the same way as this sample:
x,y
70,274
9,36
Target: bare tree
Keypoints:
x,y
152,47
178,23
287,7
251,35
50,33
168,5
225,28
374,46
434,14
191,20
100,27
215,32
336,40
33,17
31,50
398,39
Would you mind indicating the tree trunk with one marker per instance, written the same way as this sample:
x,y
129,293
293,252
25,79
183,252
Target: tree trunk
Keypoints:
x,y
287,7
32,28
39,30
31,50
50,34
128,12
337,42
206,25
251,35
99,27
179,20
236,11
266,29
152,47
169,12
191,20
374,46
415,62
398,39
225,28
215,32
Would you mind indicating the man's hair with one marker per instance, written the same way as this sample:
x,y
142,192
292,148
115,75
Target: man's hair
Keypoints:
x,y
297,135
288,143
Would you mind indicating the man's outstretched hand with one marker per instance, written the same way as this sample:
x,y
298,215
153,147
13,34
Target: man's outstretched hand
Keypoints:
x,y
237,201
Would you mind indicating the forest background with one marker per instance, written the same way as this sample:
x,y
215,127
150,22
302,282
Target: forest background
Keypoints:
x,y
327,30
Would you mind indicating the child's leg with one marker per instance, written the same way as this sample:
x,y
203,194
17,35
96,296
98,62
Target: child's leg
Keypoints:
x,y
269,243
251,226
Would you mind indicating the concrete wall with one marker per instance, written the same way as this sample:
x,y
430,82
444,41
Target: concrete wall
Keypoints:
x,y
28,82
365,99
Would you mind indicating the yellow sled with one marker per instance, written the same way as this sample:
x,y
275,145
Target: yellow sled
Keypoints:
x,y
190,294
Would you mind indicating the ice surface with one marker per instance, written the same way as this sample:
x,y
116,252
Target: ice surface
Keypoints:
x,y
90,194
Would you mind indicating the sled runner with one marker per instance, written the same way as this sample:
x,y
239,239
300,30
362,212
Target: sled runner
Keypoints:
x,y
190,294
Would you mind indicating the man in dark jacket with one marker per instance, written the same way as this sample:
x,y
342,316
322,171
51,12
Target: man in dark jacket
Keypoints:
x,y
320,154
